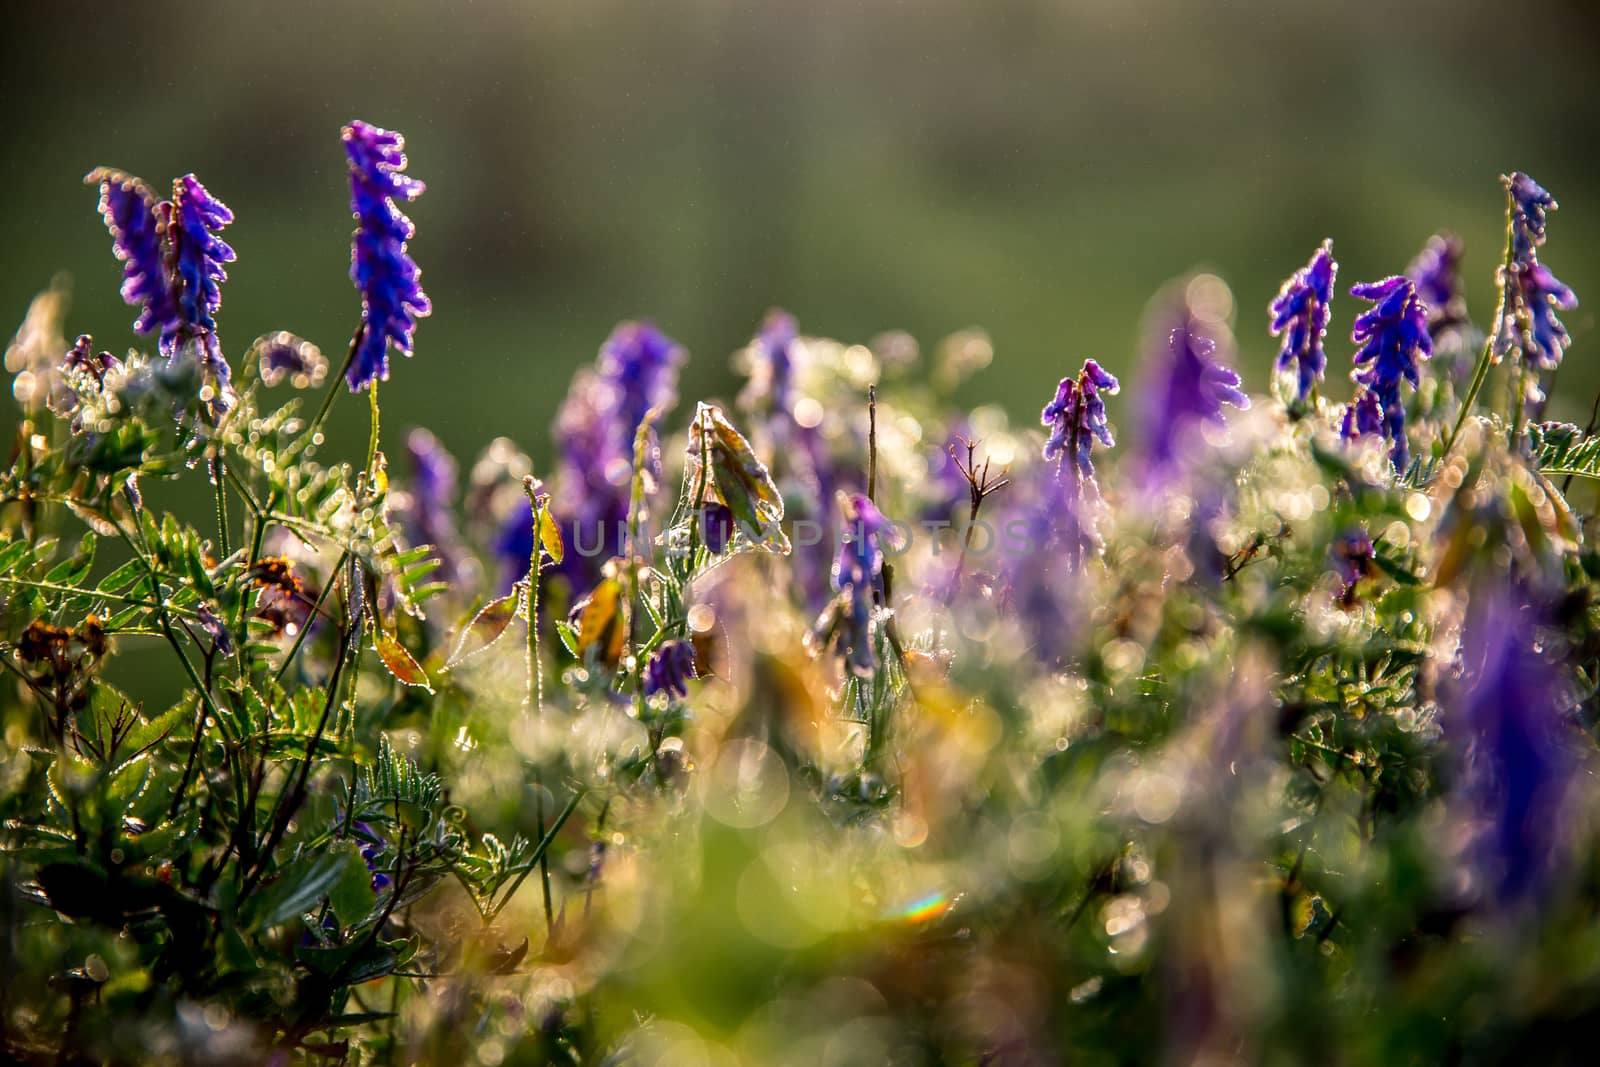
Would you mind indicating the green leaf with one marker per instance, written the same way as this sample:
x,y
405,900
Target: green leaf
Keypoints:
x,y
305,881
486,627
352,897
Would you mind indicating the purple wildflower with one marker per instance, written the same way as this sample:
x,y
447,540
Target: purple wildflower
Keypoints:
x,y
1436,272
640,365
1529,205
595,430
372,847
389,280
83,359
427,515
1362,416
198,256
857,577
1077,419
1394,338
282,357
1188,381
771,384
1044,525
198,253
1540,294
1533,293
1300,317
716,526
138,239
670,669
1518,764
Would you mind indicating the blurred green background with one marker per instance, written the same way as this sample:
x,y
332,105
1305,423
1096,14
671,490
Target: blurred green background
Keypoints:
x,y
1035,168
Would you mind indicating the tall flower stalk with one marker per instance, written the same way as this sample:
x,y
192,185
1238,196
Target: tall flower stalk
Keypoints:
x,y
1394,339
1300,316
1524,316
381,266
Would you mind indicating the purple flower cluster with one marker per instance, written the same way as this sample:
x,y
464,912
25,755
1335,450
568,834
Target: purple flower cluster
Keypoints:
x,y
771,385
637,370
1394,338
1187,382
1300,316
670,669
81,358
199,254
138,239
173,266
857,576
800,456
428,513
1535,293
1076,418
388,278
1436,272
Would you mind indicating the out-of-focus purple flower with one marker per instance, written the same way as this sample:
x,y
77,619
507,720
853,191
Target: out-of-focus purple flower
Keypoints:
x,y
427,513
282,356
138,239
388,278
640,365
857,577
1394,339
1300,317
770,388
1077,419
1353,554
1436,272
83,359
670,669
1188,380
595,430
1519,763
1044,537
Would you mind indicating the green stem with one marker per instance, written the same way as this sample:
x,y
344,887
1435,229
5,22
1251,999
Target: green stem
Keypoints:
x,y
334,386
1481,372
218,466
534,696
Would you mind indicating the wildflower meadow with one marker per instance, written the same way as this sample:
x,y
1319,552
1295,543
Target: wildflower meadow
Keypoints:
x,y
1201,720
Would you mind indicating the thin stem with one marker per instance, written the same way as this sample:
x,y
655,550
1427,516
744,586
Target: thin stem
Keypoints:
x,y
543,849
333,386
872,443
218,465
316,609
1481,372
534,693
